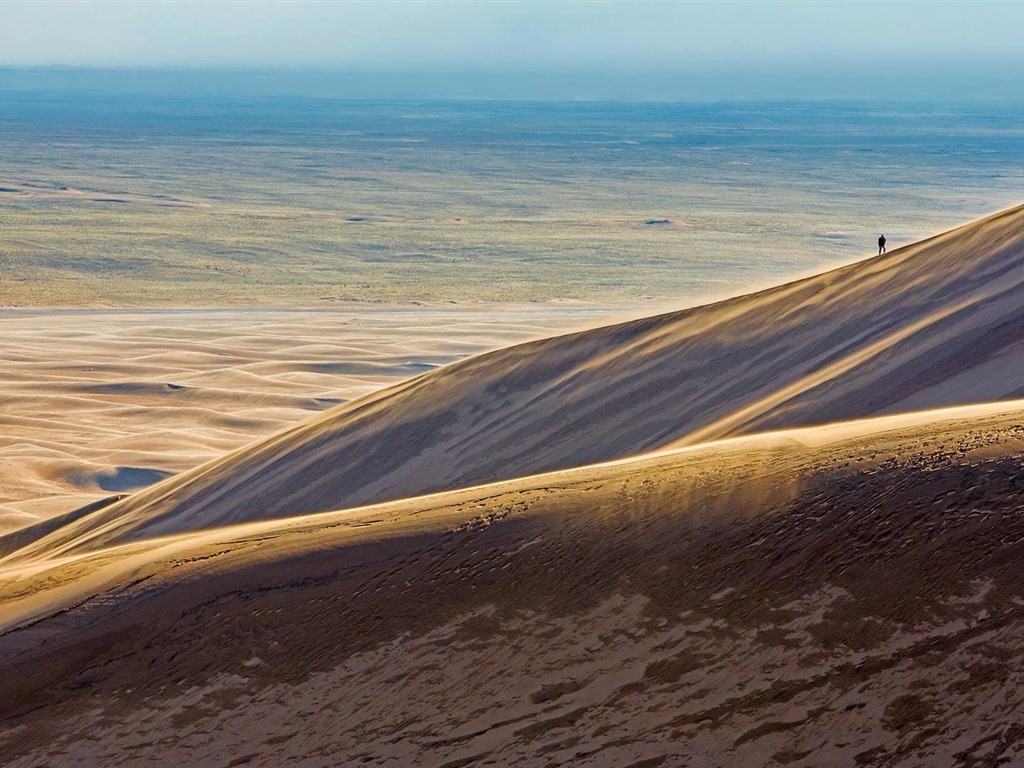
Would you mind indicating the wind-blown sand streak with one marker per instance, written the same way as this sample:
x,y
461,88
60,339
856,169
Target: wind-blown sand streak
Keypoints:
x,y
584,559
935,324
98,403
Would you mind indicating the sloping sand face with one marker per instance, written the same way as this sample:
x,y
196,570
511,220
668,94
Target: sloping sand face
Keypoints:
x,y
816,597
847,594
934,324
101,403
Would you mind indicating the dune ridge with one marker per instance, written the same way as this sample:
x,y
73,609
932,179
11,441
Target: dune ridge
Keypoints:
x,y
815,591
783,529
934,324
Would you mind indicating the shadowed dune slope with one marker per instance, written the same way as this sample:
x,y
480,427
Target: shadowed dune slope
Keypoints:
x,y
933,324
841,595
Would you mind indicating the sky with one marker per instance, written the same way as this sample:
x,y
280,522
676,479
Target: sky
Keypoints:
x,y
740,42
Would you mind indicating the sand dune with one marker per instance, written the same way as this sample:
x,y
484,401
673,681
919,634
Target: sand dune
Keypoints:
x,y
100,401
570,551
822,596
934,324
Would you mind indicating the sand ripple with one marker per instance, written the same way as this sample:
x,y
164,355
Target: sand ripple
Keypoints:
x,y
98,402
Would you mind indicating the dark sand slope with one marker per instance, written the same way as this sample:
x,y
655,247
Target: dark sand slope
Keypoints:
x,y
934,324
842,596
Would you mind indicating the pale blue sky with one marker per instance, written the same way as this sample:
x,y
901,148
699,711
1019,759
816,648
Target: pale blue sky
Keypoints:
x,y
504,36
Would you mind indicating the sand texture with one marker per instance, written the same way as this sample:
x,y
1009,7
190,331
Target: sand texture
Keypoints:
x,y
805,598
931,325
779,530
101,403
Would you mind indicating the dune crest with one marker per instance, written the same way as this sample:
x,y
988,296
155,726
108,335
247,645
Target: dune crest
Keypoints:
x,y
934,324
623,546
822,591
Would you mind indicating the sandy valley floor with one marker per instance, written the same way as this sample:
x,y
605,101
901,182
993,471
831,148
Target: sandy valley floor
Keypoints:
x,y
95,403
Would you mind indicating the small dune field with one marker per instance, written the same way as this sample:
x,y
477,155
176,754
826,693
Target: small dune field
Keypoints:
x,y
783,529
100,402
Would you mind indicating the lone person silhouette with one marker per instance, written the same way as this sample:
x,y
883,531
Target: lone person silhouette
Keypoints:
x,y
881,244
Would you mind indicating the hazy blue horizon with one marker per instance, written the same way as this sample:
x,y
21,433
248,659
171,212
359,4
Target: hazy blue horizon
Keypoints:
x,y
617,49
957,85
504,35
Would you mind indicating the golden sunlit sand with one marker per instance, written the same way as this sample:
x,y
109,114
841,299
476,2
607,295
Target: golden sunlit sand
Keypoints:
x,y
104,402
898,333
782,529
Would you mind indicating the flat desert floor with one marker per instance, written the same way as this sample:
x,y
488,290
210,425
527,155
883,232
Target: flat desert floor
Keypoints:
x,y
224,200
106,402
